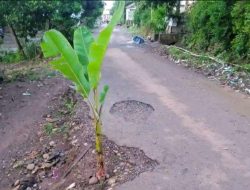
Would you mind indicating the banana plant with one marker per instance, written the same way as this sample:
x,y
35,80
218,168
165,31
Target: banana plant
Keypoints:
x,y
82,64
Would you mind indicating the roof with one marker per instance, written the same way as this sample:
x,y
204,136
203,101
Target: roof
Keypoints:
x,y
131,6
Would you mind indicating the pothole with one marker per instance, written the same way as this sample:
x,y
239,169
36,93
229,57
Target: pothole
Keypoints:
x,y
132,110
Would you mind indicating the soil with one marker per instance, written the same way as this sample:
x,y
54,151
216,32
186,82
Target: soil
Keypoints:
x,y
45,128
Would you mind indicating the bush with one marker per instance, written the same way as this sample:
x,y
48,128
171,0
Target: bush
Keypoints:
x,y
142,14
222,28
158,18
209,25
12,57
32,50
241,28
150,21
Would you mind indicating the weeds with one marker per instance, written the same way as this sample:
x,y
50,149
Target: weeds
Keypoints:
x,y
49,129
69,105
64,130
12,57
185,56
28,72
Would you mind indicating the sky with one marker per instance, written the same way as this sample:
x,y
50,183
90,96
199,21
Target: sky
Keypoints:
x,y
108,4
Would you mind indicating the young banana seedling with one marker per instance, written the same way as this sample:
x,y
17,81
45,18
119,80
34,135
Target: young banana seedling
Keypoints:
x,y
82,65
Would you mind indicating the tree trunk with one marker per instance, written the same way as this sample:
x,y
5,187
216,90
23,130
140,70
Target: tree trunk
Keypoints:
x,y
20,47
178,7
47,25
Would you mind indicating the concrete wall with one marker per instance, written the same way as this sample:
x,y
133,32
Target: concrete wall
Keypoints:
x,y
168,39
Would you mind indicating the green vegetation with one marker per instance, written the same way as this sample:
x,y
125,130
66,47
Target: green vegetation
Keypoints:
x,y
220,28
27,18
69,105
30,72
241,30
150,16
65,130
11,57
82,65
32,51
153,18
49,129
192,60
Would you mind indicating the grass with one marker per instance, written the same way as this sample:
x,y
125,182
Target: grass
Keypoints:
x,y
31,72
65,130
185,56
49,129
69,105
10,58
178,54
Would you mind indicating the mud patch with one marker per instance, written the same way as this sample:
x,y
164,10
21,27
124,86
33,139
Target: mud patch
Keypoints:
x,y
132,110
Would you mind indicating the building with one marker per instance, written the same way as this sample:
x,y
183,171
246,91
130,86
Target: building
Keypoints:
x,y
106,15
130,9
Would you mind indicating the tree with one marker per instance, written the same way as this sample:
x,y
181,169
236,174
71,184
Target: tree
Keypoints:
x,y
222,28
152,16
241,30
92,10
26,18
209,24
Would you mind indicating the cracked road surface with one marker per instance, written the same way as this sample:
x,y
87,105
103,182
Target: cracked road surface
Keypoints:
x,y
199,132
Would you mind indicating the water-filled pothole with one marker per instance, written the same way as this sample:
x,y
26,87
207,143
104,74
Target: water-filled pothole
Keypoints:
x,y
132,110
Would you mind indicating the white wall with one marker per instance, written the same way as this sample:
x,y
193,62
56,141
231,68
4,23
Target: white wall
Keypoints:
x,y
130,14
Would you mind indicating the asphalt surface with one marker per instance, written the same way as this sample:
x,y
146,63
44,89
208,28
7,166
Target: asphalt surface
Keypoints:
x,y
199,132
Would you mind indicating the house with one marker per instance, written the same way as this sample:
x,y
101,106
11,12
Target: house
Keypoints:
x,y
130,9
106,15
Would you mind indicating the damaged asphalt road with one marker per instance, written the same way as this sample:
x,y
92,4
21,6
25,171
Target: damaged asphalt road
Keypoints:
x,y
198,132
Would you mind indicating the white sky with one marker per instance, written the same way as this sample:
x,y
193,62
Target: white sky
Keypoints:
x,y
109,4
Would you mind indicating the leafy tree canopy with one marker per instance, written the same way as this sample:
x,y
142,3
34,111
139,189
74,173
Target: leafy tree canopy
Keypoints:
x,y
28,17
221,27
